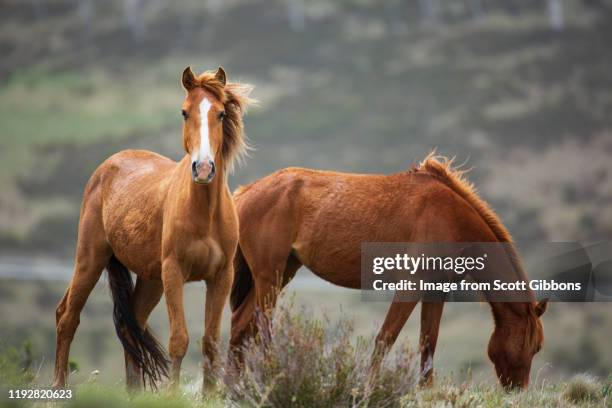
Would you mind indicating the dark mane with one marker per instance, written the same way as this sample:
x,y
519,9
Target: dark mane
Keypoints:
x,y
235,98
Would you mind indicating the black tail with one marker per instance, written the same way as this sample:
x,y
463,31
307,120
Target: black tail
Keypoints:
x,y
138,343
243,281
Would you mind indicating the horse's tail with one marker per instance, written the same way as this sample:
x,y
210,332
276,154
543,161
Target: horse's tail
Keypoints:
x,y
140,344
243,281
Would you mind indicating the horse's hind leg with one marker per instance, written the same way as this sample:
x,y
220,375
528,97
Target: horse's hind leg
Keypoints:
x,y
146,296
431,315
92,255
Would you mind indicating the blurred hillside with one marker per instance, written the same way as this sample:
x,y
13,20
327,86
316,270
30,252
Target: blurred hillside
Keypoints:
x,y
521,90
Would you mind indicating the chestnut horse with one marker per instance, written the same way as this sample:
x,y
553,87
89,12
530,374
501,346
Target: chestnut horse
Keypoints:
x,y
169,223
319,219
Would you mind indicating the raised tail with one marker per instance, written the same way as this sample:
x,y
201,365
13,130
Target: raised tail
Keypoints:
x,y
243,281
140,344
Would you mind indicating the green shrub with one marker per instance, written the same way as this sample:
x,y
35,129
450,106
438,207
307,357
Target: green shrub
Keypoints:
x,y
304,363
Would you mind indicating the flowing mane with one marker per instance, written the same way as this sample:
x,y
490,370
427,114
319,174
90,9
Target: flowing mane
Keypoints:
x,y
235,98
442,168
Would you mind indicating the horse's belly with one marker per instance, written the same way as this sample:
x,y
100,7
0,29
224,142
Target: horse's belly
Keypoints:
x,y
346,281
341,267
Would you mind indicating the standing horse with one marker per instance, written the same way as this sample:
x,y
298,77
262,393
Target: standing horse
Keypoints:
x,y
319,219
169,223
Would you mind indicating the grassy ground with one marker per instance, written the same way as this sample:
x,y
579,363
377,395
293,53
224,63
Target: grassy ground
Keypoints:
x,y
312,361
577,393
576,334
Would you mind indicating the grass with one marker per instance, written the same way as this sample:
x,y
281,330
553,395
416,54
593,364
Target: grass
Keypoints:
x,y
310,362
28,314
443,395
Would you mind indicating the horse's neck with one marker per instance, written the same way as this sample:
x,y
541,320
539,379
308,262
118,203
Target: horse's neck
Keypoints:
x,y
504,312
203,199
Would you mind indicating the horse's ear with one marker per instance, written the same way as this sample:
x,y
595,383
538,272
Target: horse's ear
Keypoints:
x,y
221,76
541,307
188,79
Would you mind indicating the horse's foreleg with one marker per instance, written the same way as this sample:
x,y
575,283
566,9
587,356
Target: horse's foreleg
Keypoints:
x,y
146,296
173,281
262,296
431,315
268,286
396,318
242,323
217,293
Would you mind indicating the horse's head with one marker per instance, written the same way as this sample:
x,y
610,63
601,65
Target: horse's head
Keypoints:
x,y
212,131
517,337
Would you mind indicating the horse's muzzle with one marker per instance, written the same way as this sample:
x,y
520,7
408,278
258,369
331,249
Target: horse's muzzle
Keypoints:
x,y
203,172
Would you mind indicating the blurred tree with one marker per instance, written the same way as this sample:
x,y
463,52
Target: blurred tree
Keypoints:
x,y
86,13
394,16
296,15
555,14
429,10
40,9
476,8
214,6
133,15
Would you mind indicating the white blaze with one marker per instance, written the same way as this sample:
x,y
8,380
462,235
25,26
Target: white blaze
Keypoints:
x,y
204,152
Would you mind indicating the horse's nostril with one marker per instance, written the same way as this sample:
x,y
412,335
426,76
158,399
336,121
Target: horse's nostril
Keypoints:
x,y
212,167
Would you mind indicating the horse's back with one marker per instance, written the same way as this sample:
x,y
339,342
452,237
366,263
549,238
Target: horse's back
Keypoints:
x,y
135,163
316,215
327,215
130,166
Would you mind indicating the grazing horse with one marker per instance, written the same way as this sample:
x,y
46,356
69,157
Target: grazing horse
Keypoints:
x,y
319,219
169,223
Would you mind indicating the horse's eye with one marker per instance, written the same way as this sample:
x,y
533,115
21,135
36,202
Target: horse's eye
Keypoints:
x,y
184,113
221,115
